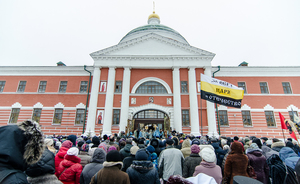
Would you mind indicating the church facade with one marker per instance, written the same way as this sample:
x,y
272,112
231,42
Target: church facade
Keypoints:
x,y
150,76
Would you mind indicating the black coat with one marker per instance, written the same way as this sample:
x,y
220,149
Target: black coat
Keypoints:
x,y
220,153
127,162
190,164
143,172
155,143
125,152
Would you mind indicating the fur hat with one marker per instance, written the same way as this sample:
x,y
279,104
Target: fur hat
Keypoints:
x,y
67,144
111,148
142,154
195,149
48,142
73,151
113,156
208,155
134,149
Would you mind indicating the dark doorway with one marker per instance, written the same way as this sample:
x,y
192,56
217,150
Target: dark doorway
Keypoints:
x,y
150,119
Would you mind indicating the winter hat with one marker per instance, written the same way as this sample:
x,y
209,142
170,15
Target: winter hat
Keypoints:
x,y
258,142
73,151
67,144
195,149
142,154
111,148
153,156
113,156
103,146
134,149
85,147
208,155
264,138
276,140
169,141
196,141
48,142
253,146
181,141
80,143
96,141
57,145
290,144
203,142
151,149
72,138
269,142
226,147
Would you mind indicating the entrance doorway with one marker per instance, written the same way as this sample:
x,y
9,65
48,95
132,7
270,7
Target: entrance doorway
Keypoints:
x,y
149,119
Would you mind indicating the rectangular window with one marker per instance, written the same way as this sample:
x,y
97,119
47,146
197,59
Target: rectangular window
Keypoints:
x,y
22,85
286,88
242,85
292,115
270,118
83,86
118,87
246,118
14,115
184,87
79,120
57,116
116,117
37,114
185,118
223,118
264,87
63,86
42,86
2,84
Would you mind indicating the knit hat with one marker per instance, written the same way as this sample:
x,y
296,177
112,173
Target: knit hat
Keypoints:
x,y
195,148
67,144
103,146
169,141
72,138
196,141
264,138
134,149
208,155
113,156
142,154
151,149
253,146
96,141
48,142
80,143
111,148
73,151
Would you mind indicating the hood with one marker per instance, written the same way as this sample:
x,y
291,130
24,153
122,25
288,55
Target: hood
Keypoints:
x,y
111,164
154,143
99,156
21,145
127,148
142,166
287,152
70,160
207,164
236,148
273,160
72,138
215,145
277,144
257,153
186,143
62,152
251,150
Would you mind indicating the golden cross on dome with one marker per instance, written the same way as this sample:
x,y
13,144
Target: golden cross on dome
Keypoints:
x,y
153,7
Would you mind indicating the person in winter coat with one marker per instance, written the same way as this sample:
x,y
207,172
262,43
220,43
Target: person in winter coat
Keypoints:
x,y
92,168
191,161
43,171
220,153
288,156
267,152
142,170
112,143
69,169
258,162
65,146
207,166
20,145
125,152
49,143
84,157
111,173
72,138
236,163
277,145
279,172
247,143
128,160
155,143
186,148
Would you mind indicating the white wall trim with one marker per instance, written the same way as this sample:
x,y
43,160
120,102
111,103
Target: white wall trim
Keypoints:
x,y
59,105
268,107
162,82
38,105
80,106
16,105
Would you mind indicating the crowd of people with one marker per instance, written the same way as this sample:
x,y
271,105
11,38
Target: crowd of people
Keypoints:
x,y
27,156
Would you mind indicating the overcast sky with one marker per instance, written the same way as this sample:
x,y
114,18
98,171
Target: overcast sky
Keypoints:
x,y
42,33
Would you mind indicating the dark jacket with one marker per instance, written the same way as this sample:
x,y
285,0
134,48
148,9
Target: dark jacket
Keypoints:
x,y
143,172
155,143
92,168
220,153
190,164
125,152
276,146
20,145
258,162
127,162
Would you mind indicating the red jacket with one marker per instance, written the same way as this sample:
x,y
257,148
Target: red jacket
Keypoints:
x,y
69,170
60,156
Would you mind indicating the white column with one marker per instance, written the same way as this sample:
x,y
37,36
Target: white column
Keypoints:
x,y
177,100
194,120
125,98
109,100
211,116
91,120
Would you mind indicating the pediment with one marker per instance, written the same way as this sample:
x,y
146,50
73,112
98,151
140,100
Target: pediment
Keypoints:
x,y
152,45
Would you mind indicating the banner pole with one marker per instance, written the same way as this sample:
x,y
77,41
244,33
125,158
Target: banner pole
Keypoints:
x,y
201,116
283,135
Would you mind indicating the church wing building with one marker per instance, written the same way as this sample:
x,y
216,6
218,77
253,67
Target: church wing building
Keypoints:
x,y
149,80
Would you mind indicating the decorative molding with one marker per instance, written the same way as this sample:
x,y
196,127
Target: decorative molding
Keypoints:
x,y
245,107
38,105
80,106
133,100
292,107
269,107
151,79
134,110
222,107
16,105
59,105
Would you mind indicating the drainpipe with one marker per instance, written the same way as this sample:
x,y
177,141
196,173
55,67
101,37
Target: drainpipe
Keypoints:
x,y
217,105
87,98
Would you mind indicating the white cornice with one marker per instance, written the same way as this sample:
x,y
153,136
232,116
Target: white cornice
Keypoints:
x,y
153,36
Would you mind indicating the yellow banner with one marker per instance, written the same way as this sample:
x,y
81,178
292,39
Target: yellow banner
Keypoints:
x,y
222,91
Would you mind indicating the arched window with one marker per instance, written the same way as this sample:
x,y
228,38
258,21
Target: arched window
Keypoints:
x,y
150,114
151,87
